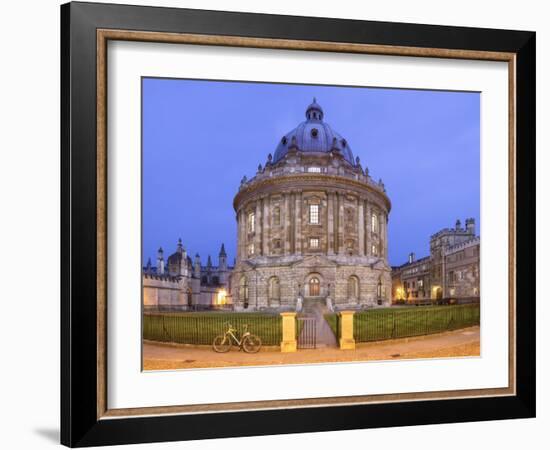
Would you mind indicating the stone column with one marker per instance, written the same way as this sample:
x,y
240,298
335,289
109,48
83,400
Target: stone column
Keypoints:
x,y
298,223
240,235
381,234
289,343
287,224
265,226
340,248
258,229
330,223
386,236
346,331
361,226
368,243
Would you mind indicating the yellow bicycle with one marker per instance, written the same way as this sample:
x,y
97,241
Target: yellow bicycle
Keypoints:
x,y
249,342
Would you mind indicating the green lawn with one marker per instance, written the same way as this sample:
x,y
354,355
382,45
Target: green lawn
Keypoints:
x,y
391,323
200,328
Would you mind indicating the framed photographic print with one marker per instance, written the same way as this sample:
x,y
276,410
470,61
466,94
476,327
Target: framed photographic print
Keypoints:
x,y
277,224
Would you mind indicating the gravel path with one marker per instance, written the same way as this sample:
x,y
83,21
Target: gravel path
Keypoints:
x,y
457,343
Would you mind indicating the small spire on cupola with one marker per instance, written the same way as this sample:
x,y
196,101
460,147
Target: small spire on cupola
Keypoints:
x,y
314,111
180,245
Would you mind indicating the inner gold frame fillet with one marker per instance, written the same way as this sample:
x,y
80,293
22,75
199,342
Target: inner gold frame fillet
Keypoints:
x,y
105,35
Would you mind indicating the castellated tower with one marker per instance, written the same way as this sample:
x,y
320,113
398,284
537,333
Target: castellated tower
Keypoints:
x,y
197,266
471,226
310,218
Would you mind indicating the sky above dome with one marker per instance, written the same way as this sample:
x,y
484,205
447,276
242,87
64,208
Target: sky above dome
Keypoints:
x,y
201,137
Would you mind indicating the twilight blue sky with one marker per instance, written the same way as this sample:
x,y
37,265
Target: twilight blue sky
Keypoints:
x,y
201,137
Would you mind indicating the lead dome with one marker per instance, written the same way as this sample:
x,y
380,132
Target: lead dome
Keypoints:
x,y
314,135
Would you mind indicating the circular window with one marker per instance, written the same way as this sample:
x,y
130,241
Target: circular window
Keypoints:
x,y
314,132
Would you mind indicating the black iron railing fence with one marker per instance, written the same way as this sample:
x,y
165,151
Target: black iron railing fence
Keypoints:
x,y
392,323
202,328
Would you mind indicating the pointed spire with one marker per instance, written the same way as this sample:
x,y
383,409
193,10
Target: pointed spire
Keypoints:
x,y
209,262
180,246
222,250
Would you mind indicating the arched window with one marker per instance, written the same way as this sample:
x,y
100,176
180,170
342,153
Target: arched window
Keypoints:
x,y
274,290
276,216
379,289
243,291
314,287
353,287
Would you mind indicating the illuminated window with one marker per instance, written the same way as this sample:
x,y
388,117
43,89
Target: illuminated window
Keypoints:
x,y
314,243
277,216
314,214
251,248
375,249
251,222
374,223
314,169
221,297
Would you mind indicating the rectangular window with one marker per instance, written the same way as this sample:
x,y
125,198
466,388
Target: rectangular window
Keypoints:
x,y
314,242
374,223
314,169
251,222
314,214
277,216
375,249
251,248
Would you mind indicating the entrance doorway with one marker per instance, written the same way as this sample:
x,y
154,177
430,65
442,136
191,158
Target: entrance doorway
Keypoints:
x,y
314,287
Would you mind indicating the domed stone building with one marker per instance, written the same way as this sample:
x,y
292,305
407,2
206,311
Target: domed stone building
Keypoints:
x,y
312,226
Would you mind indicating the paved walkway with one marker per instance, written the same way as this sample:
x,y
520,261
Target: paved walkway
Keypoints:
x,y
324,337
452,344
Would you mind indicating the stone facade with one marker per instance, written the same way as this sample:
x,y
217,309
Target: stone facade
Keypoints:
x,y
451,271
312,224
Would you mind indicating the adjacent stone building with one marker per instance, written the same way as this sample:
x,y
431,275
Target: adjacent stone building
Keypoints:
x,y
312,226
182,283
450,272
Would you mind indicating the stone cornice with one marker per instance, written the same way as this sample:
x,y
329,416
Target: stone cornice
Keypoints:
x,y
289,183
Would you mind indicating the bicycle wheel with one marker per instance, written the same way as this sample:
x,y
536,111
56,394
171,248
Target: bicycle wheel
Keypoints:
x,y
221,344
252,344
